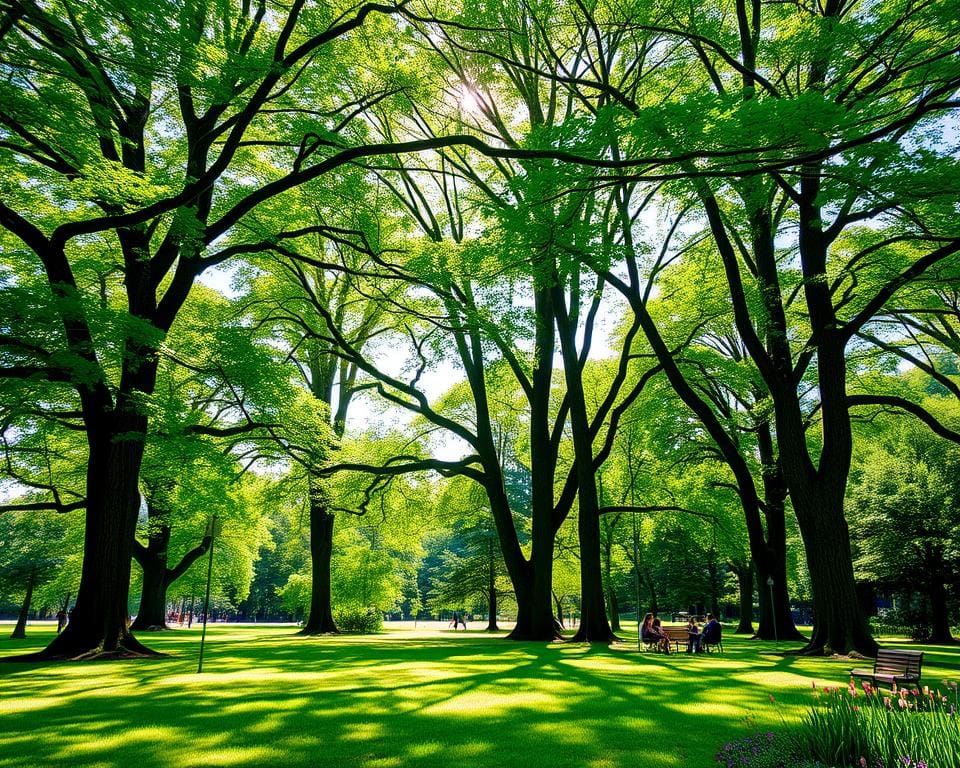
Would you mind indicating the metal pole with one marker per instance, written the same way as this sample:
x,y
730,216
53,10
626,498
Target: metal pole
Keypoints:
x,y
211,532
636,573
773,613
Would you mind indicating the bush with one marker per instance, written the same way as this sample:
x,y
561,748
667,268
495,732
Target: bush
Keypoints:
x,y
358,621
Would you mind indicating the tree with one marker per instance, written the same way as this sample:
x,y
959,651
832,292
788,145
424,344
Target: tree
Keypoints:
x,y
849,121
31,551
470,568
903,504
140,135
282,302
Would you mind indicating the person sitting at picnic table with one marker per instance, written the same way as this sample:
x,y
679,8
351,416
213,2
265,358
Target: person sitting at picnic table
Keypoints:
x,y
693,634
651,633
710,633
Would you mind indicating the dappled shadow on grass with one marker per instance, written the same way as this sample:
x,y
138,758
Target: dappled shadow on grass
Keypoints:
x,y
270,696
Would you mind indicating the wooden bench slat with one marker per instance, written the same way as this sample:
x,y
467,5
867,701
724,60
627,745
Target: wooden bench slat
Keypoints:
x,y
893,666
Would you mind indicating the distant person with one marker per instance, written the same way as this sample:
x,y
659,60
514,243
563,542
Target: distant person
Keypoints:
x,y
61,620
711,632
463,621
454,621
693,634
645,626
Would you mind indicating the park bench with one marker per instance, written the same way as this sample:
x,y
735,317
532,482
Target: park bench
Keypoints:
x,y
677,635
893,666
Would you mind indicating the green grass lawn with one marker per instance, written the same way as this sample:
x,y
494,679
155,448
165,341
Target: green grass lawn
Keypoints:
x,y
401,698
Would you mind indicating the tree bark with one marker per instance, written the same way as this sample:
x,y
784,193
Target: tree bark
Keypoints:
x,y
152,614
534,594
20,630
320,621
613,606
533,579
839,624
940,618
98,627
593,615
594,626
776,620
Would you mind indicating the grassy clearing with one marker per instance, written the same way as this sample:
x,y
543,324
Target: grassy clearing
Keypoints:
x,y
401,698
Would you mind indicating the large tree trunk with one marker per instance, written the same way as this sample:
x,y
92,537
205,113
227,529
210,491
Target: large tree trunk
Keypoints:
x,y
98,626
534,594
533,579
776,620
320,621
745,587
152,614
940,620
594,626
20,631
839,624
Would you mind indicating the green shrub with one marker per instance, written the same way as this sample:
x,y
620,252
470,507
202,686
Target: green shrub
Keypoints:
x,y
358,621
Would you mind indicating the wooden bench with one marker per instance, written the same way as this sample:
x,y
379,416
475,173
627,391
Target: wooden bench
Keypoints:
x,y
893,666
677,635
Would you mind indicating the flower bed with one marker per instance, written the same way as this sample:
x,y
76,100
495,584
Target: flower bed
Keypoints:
x,y
849,728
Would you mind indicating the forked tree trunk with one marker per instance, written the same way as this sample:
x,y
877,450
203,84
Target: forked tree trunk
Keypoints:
x,y
157,577
534,596
20,630
152,614
594,626
320,621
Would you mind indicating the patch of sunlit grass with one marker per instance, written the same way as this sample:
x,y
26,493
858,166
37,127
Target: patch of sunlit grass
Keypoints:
x,y
401,698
